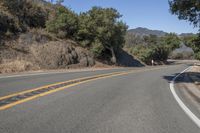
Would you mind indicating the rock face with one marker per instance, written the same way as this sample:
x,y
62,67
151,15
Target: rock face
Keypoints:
x,y
33,51
57,54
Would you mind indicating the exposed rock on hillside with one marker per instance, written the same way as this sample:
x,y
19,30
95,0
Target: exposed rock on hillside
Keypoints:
x,y
34,51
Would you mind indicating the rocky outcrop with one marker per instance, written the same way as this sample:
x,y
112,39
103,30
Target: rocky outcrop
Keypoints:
x,y
57,54
32,51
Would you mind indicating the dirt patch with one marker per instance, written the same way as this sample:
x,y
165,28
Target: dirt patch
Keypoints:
x,y
195,68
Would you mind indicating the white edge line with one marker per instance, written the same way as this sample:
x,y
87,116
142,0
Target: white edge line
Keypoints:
x,y
45,73
194,118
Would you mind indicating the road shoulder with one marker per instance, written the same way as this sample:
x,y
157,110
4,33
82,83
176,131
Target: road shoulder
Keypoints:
x,y
187,94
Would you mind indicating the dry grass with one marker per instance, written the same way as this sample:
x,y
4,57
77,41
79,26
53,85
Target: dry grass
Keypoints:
x,y
17,66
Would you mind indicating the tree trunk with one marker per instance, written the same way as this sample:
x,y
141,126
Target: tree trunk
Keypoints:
x,y
113,59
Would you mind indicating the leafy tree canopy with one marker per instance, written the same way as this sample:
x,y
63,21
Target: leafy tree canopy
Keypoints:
x,y
100,28
29,14
153,47
64,23
186,10
171,41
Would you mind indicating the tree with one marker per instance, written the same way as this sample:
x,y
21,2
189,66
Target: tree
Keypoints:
x,y
171,41
132,40
193,42
8,24
59,2
100,28
189,41
28,13
150,39
156,48
186,10
64,24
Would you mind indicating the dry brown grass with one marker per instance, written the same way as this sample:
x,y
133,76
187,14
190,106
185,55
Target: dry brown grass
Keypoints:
x,y
17,66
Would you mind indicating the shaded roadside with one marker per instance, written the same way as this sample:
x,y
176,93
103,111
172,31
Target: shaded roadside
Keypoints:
x,y
188,84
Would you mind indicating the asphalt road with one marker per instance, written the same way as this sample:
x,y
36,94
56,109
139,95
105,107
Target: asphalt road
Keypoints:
x,y
139,102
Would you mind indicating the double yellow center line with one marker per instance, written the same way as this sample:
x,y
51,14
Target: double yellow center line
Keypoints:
x,y
24,96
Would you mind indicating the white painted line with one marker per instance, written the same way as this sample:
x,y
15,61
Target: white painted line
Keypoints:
x,y
194,118
45,73
30,74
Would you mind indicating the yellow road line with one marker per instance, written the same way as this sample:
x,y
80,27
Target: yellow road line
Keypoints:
x,y
101,76
30,90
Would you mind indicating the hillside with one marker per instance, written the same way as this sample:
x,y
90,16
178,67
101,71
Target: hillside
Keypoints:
x,y
148,44
186,34
144,32
140,31
36,35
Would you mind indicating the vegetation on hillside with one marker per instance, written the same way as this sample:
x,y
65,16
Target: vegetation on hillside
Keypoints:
x,y
193,42
63,22
19,15
152,47
188,10
101,30
98,30
145,31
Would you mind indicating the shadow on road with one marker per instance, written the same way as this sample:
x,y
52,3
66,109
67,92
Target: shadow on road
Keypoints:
x,y
187,77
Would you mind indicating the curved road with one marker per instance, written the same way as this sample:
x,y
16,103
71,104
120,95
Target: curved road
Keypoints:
x,y
139,102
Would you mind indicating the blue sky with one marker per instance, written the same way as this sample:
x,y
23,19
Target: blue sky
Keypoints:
x,y
152,14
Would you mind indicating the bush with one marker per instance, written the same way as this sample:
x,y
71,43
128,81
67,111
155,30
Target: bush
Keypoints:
x,y
197,55
8,23
193,42
153,47
147,53
28,13
182,55
64,23
102,24
143,53
97,48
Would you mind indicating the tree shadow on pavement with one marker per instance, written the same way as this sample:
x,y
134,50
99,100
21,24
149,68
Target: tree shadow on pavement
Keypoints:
x,y
187,77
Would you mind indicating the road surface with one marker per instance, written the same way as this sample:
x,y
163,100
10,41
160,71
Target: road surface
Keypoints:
x,y
137,102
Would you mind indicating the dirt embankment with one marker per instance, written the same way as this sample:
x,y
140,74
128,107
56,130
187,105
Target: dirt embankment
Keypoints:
x,y
36,50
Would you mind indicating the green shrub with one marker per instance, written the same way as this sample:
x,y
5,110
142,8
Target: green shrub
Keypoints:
x,y
102,24
197,55
22,15
64,23
146,53
97,48
8,23
153,47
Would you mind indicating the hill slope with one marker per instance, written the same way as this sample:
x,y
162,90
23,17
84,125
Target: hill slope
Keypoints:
x,y
36,35
144,31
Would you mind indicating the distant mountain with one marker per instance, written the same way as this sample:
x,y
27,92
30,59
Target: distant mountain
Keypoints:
x,y
141,31
144,31
186,34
